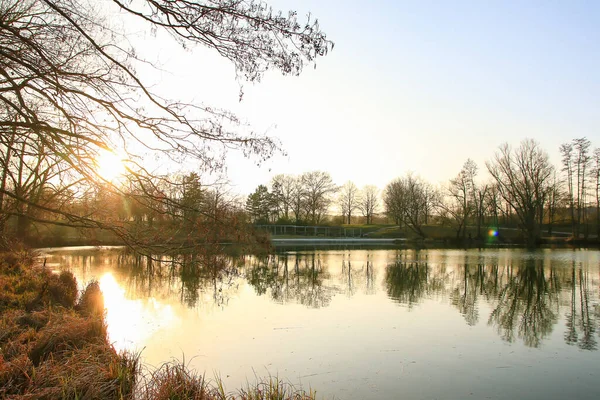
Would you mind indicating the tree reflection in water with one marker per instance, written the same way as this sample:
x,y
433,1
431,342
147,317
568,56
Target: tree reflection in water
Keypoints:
x,y
307,279
528,303
206,280
296,279
581,324
407,279
526,295
356,276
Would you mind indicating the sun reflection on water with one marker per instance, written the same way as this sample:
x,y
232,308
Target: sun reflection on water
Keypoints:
x,y
132,322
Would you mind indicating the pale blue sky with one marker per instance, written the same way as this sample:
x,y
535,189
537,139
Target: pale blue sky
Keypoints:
x,y
416,85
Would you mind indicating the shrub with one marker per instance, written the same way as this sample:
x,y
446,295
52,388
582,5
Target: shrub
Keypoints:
x,y
92,300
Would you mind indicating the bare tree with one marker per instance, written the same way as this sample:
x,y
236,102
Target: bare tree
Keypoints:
x,y
493,202
566,151
348,200
596,185
461,200
407,202
582,165
283,189
555,200
576,163
318,187
298,199
68,84
523,177
480,194
368,202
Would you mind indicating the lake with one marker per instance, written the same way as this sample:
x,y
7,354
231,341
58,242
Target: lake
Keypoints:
x,y
365,324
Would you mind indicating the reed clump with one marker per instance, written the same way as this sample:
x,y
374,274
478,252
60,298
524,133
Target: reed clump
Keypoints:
x,y
175,380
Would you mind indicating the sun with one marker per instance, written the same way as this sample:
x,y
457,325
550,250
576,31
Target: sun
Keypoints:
x,y
110,165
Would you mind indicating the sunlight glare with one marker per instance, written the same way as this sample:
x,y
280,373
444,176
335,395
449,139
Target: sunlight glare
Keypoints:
x,y
110,165
131,322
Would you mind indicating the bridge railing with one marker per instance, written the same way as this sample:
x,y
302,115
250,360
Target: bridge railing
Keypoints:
x,y
310,230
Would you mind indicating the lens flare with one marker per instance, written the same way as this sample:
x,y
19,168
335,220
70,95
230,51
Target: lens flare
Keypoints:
x,y
493,233
110,165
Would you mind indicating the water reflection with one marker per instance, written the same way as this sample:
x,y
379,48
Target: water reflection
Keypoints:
x,y
130,322
581,323
408,280
296,280
527,304
522,297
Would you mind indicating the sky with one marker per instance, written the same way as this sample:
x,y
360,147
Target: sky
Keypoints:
x,y
416,86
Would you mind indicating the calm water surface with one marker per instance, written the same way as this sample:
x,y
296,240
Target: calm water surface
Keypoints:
x,y
367,324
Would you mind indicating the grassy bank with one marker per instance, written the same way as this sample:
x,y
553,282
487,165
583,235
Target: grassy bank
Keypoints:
x,y
54,345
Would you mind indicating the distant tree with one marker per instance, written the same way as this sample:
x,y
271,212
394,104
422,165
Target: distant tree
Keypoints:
x,y
407,201
395,200
554,201
258,205
494,203
576,164
460,201
348,200
566,151
318,188
368,202
298,199
596,185
283,190
480,194
192,199
582,166
523,177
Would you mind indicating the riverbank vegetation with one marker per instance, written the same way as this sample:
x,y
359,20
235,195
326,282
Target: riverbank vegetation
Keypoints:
x,y
54,345
519,198
79,127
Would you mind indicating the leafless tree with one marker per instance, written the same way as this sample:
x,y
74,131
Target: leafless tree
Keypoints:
x,y
69,85
298,199
368,202
348,200
283,189
554,202
596,185
523,177
407,202
582,166
460,201
493,201
318,188
566,151
576,163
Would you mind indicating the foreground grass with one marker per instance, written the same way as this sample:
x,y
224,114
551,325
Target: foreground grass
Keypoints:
x,y
54,345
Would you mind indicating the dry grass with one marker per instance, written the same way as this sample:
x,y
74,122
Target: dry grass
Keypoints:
x,y
273,388
54,346
50,346
174,380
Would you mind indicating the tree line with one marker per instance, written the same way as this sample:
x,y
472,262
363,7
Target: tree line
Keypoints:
x,y
522,190
307,199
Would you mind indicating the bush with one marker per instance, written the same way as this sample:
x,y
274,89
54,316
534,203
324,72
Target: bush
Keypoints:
x,y
62,289
92,300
